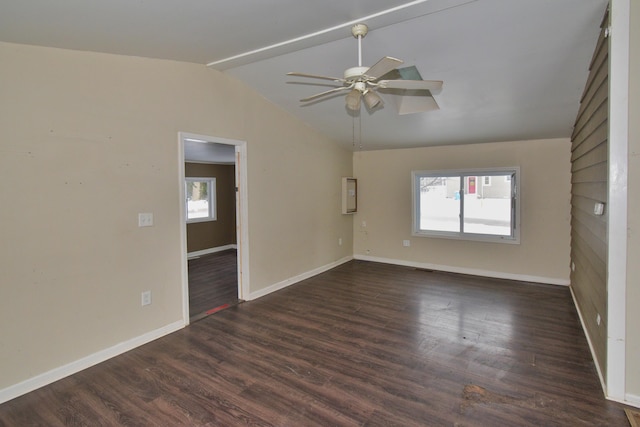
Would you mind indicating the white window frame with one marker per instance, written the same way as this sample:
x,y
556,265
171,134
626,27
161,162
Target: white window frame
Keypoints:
x,y
211,199
463,174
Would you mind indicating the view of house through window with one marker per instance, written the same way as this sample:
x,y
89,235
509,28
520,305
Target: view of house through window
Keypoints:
x,y
473,204
200,194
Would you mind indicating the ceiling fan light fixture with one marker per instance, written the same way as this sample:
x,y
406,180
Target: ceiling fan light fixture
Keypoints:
x,y
372,99
353,100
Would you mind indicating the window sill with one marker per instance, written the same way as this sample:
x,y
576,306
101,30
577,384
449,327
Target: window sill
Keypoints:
x,y
468,237
195,221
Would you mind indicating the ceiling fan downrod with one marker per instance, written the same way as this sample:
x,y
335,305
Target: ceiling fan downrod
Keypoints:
x,y
359,31
352,74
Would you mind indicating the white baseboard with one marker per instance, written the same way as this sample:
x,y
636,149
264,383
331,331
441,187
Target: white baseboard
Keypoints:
x,y
56,374
603,384
632,399
296,279
470,271
196,254
629,400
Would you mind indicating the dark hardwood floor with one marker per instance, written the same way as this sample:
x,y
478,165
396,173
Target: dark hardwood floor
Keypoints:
x,y
213,282
364,344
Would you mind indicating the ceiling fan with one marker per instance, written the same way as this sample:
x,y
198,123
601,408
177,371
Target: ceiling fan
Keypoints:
x,y
363,82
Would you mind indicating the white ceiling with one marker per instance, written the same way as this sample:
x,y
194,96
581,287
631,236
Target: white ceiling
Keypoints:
x,y
512,69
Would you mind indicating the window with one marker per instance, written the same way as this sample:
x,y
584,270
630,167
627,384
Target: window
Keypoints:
x,y
201,199
475,204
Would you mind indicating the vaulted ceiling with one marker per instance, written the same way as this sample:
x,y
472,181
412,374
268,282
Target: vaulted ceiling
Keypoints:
x,y
512,69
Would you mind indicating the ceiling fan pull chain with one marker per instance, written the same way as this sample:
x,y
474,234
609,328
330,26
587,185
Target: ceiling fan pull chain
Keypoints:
x,y
353,131
360,130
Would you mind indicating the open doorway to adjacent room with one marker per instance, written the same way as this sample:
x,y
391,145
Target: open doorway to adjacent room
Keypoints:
x,y
212,191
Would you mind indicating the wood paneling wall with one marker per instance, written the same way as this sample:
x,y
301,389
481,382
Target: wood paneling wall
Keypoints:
x,y
222,231
589,169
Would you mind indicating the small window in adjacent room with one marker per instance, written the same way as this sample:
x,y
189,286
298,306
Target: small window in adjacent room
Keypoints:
x,y
474,204
201,199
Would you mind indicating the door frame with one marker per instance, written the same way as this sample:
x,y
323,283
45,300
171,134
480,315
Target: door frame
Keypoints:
x,y
242,215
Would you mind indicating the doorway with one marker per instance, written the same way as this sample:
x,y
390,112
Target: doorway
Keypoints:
x,y
212,189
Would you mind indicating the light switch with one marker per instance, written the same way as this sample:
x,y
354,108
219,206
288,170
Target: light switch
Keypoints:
x,y
145,219
146,298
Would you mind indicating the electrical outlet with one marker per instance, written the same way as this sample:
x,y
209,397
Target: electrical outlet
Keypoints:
x,y
598,209
364,223
339,241
146,298
406,243
145,219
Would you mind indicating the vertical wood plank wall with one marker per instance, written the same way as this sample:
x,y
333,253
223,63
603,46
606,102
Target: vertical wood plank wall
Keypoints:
x,y
589,180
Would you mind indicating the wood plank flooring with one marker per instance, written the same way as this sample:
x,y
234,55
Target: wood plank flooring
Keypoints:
x,y
364,344
213,281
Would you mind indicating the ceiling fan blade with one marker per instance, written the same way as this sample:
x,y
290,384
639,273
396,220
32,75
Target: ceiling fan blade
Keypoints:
x,y
321,94
433,85
382,67
313,76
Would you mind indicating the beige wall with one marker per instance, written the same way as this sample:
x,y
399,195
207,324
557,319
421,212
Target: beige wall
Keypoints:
x,y
87,141
222,231
633,242
384,202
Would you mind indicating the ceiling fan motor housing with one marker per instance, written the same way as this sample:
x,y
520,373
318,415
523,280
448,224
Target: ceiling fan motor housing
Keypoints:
x,y
354,73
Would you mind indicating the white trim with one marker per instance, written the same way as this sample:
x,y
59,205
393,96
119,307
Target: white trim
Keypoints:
x,y
242,234
632,399
594,355
184,272
296,279
617,195
464,175
242,219
58,373
203,252
470,271
304,37
627,402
